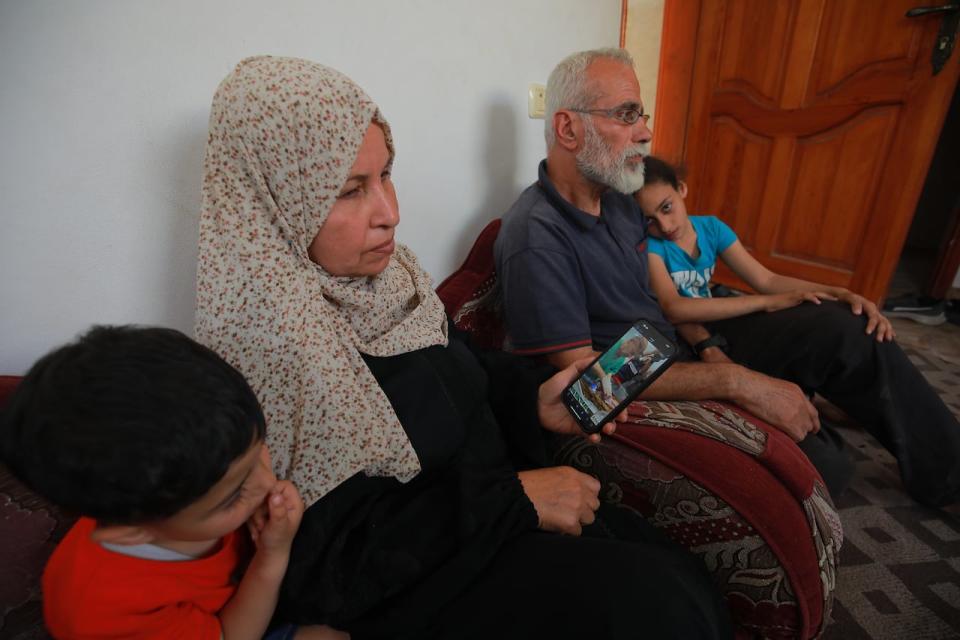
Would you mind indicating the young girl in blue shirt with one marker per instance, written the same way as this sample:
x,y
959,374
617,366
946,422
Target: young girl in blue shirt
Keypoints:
x,y
683,254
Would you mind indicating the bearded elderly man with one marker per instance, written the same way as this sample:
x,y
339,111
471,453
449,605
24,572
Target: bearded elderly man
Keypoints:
x,y
571,257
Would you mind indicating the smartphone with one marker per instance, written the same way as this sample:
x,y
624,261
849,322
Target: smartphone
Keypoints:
x,y
618,375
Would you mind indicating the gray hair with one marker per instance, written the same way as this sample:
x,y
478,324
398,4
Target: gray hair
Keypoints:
x,y
567,86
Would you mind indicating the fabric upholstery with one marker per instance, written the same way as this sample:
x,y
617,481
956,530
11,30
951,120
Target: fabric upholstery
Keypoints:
x,y
470,295
30,528
735,491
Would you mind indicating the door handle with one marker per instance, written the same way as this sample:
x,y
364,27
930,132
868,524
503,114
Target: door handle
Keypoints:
x,y
916,12
948,31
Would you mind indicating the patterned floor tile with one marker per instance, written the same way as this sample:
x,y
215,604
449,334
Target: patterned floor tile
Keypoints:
x,y
899,574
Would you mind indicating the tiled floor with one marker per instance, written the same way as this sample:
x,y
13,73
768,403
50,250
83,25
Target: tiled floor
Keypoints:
x,y
936,353
941,343
906,586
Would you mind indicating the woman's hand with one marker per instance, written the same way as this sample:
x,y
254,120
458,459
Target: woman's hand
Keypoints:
x,y
876,321
273,526
565,499
777,301
554,415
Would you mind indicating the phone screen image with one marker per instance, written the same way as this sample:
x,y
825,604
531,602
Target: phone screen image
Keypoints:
x,y
618,375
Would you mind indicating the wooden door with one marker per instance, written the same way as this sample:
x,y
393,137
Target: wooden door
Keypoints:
x,y
807,125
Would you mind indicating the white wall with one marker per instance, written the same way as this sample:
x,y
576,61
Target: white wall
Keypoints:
x,y
103,111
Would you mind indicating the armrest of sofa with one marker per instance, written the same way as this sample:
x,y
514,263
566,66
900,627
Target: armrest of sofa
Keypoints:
x,y
30,528
735,492
471,296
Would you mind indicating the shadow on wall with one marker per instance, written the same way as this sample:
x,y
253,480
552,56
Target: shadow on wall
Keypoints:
x,y
500,170
182,161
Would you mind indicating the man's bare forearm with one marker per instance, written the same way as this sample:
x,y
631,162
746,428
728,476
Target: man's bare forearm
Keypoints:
x,y
697,381
682,381
778,402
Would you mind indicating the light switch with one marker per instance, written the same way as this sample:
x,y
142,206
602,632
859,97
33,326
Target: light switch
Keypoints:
x,y
536,100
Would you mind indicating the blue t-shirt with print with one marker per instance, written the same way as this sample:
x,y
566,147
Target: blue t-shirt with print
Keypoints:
x,y
692,277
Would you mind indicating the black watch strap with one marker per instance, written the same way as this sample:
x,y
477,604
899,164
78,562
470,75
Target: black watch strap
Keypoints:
x,y
716,340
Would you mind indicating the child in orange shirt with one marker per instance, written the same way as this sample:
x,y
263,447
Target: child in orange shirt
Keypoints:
x,y
158,443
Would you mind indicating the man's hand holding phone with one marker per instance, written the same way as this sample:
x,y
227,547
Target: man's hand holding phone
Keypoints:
x,y
608,384
553,413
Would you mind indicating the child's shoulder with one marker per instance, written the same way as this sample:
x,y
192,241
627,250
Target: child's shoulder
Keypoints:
x,y
90,590
75,555
713,226
705,221
81,567
656,245
76,585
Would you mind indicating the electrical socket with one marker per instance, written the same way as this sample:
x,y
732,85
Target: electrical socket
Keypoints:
x,y
536,100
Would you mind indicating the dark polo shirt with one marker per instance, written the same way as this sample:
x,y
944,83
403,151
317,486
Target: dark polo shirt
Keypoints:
x,y
571,279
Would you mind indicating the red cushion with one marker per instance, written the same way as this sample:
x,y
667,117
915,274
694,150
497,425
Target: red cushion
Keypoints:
x,y
768,491
738,494
470,295
29,530
463,284
7,385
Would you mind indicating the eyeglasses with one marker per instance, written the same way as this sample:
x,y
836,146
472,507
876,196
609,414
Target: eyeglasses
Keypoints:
x,y
626,115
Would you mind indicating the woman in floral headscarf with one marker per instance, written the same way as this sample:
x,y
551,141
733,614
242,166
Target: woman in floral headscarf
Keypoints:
x,y
418,524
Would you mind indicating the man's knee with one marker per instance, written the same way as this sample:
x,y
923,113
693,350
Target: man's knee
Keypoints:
x,y
807,335
830,338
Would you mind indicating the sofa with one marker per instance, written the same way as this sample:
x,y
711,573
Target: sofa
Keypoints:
x,y
734,490
30,528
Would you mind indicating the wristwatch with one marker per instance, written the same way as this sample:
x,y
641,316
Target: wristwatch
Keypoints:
x,y
716,340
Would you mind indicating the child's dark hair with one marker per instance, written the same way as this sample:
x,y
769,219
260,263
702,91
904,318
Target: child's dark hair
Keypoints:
x,y
128,424
657,171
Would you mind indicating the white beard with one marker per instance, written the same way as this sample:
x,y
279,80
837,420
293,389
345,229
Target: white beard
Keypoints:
x,y
596,162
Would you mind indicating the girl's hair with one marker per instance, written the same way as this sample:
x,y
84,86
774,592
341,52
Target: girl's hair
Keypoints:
x,y
656,171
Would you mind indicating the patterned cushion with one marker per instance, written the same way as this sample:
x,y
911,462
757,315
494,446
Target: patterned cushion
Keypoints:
x,y
714,481
735,491
30,528
471,295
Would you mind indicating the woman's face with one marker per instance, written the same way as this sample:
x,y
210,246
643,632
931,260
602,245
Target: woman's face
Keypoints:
x,y
665,208
357,237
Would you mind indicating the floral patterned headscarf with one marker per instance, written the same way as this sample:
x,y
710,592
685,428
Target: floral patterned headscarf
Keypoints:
x,y
284,134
